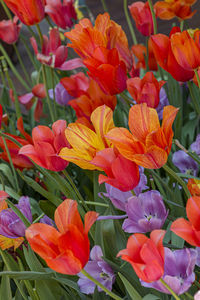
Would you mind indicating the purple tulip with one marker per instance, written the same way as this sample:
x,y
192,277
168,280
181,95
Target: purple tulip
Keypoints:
x,y
198,256
184,162
196,145
61,95
119,198
163,102
10,224
47,220
99,270
178,271
145,213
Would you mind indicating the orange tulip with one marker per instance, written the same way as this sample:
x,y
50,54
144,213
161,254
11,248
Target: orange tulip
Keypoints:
x,y
186,49
167,10
140,53
67,249
3,197
141,14
85,142
145,90
94,97
30,12
193,186
148,144
121,172
189,230
166,58
106,33
146,255
76,85
107,70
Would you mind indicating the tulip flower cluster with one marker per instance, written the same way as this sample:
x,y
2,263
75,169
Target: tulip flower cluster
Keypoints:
x,y
99,152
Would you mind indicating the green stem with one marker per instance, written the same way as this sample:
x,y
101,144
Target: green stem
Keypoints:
x,y
181,25
14,70
189,296
20,61
49,102
129,23
7,11
11,86
40,34
153,16
54,95
38,219
49,22
11,164
18,213
28,52
10,138
178,179
169,289
103,2
197,76
75,189
194,100
96,204
111,294
147,55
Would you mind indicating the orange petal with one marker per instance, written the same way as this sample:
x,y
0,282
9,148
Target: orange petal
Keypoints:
x,y
90,218
184,229
169,114
43,239
66,214
142,121
193,211
6,243
20,127
125,143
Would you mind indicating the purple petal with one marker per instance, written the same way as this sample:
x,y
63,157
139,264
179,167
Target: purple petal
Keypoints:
x,y
96,253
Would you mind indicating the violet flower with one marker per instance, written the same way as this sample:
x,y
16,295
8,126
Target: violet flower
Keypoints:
x,y
198,256
61,95
178,271
99,270
145,213
47,220
196,145
184,162
119,198
163,102
10,224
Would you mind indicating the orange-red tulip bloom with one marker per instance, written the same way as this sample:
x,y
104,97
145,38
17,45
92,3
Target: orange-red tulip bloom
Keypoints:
x,y
146,255
19,160
162,48
121,172
85,142
140,53
93,98
189,230
168,10
76,85
85,38
148,144
107,70
145,90
186,49
30,12
193,186
46,145
141,14
67,249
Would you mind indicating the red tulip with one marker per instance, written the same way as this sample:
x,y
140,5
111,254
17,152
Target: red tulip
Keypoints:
x,y
61,12
76,85
107,70
140,53
146,255
145,90
189,230
67,249
30,12
121,172
141,14
9,30
46,145
19,160
162,48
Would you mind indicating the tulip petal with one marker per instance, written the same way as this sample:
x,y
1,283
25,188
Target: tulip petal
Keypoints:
x,y
6,243
184,229
142,121
90,218
193,211
169,114
67,213
42,134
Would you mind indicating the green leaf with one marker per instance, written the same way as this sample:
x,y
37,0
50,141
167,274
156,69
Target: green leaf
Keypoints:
x,y
150,297
130,289
5,169
176,240
27,275
5,292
